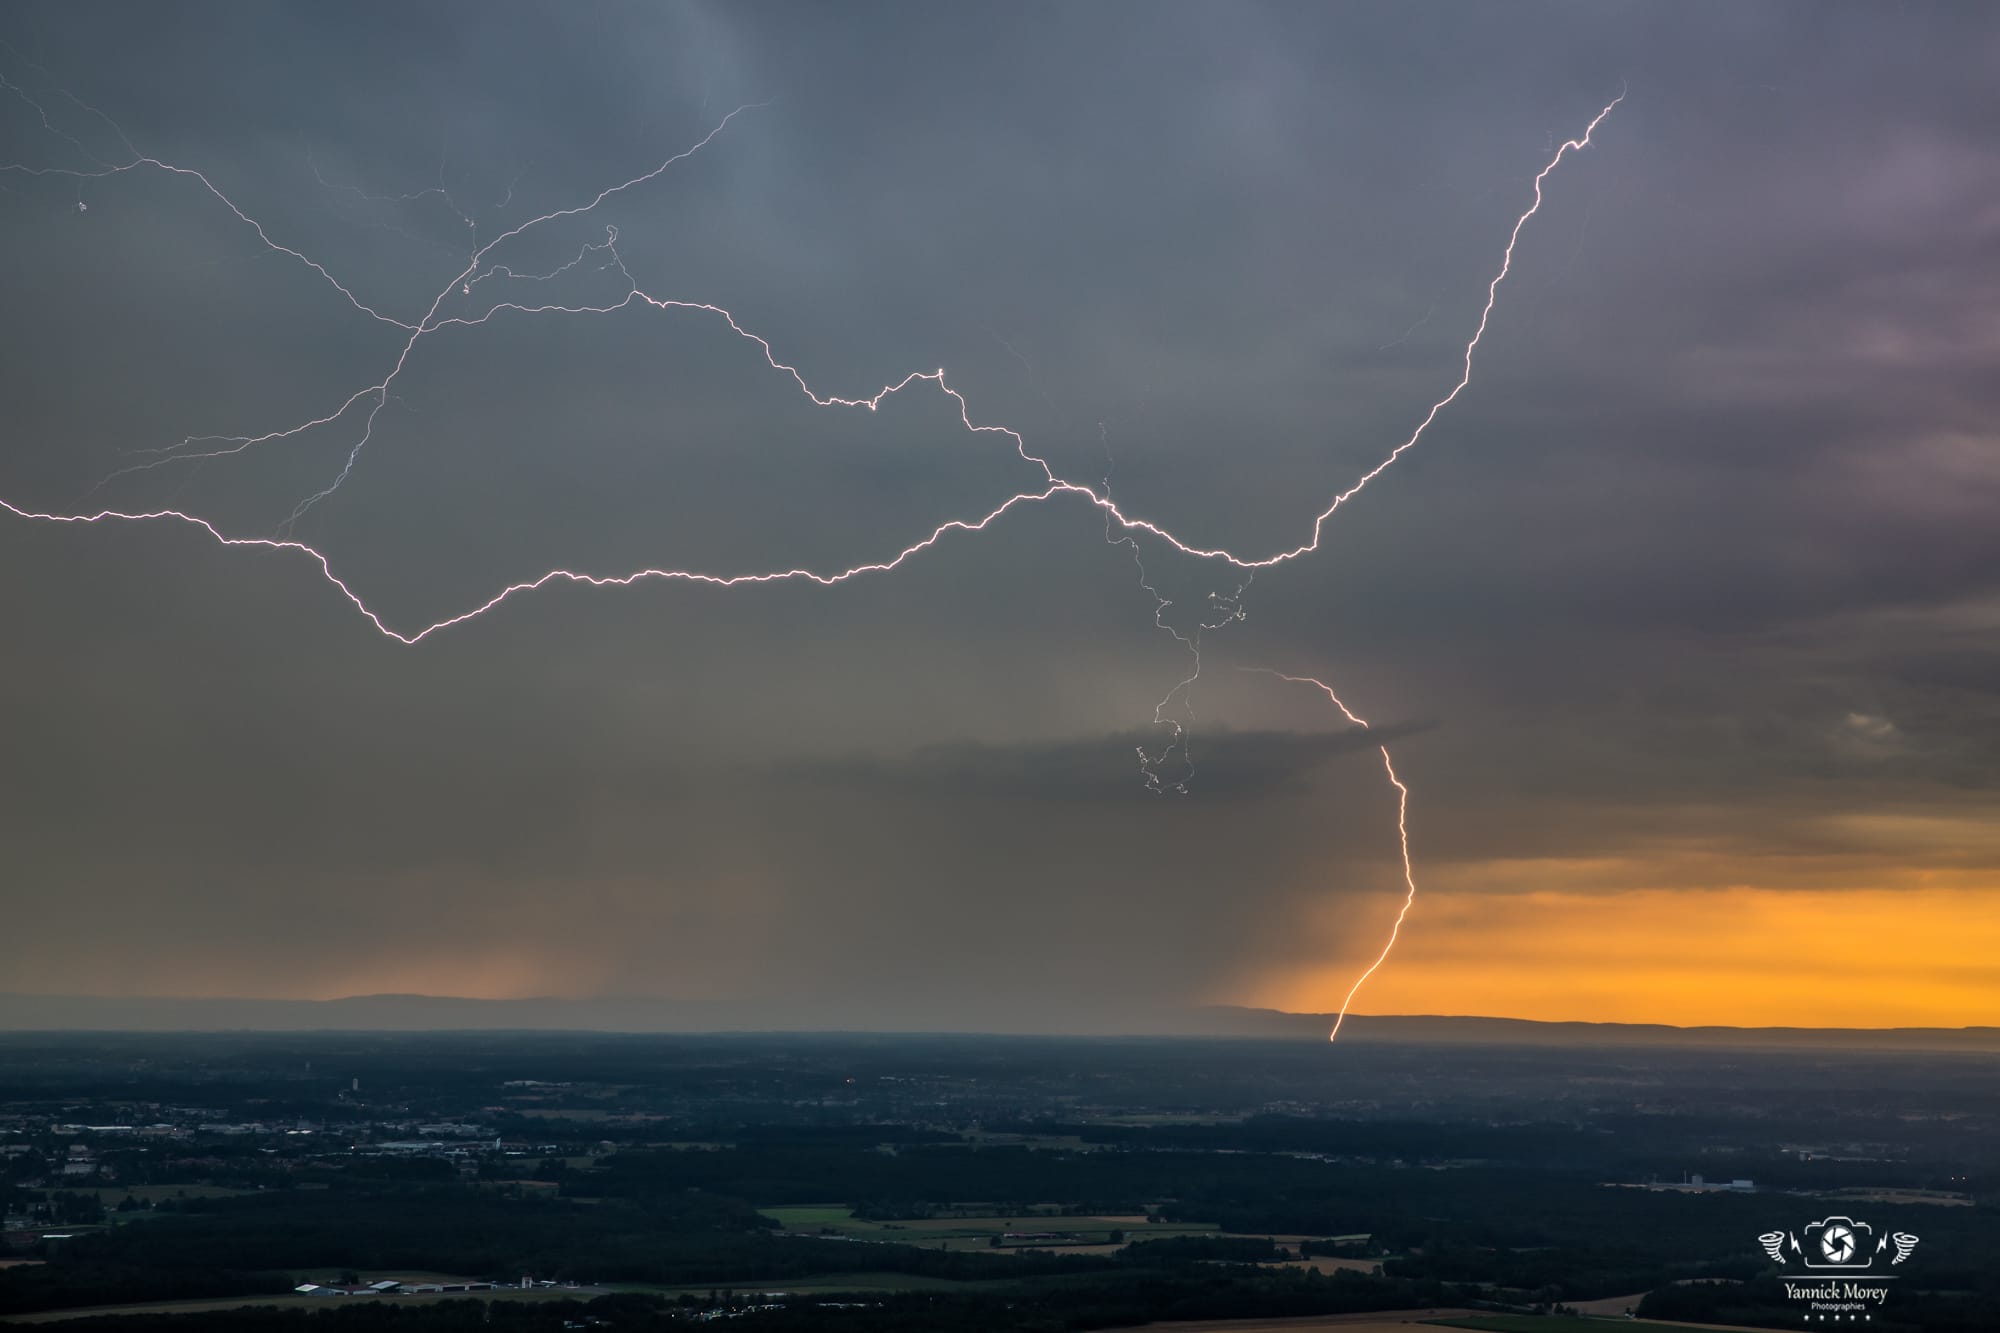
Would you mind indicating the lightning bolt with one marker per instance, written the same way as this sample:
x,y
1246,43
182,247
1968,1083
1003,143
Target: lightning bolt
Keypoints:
x,y
432,322
1120,527
1153,767
1402,839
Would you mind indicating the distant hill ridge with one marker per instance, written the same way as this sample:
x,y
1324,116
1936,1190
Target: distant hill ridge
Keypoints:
x,y
1529,1032
421,1013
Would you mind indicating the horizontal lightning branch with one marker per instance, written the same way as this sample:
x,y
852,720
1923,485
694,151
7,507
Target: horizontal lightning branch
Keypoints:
x,y
1053,484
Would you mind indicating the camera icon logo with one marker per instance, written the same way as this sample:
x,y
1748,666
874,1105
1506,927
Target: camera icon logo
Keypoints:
x,y
1838,1242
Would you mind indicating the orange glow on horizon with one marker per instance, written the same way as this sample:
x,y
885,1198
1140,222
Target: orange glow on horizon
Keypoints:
x,y
1923,956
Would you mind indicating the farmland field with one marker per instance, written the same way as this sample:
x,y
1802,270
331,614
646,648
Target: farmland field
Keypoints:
x,y
1070,1234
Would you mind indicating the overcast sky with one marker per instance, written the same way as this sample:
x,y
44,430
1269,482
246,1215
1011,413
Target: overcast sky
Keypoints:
x,y
1681,621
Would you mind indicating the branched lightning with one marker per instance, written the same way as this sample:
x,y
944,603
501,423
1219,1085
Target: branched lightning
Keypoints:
x,y
1174,711
1153,767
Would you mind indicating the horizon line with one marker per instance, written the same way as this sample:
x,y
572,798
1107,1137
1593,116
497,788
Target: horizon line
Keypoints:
x,y
667,1003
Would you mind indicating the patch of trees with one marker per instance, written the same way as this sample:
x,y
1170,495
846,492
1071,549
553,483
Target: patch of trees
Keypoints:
x,y
1559,1274
67,1284
1210,1249
406,1170
248,1244
1104,1300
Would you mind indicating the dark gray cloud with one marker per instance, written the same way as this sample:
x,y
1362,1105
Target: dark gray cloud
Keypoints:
x,y
1226,764
1702,565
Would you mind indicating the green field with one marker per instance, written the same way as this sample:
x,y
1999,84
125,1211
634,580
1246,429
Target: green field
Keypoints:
x,y
820,1284
976,1232
810,1216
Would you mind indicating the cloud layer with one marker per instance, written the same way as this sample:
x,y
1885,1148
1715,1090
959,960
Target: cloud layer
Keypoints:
x,y
1694,593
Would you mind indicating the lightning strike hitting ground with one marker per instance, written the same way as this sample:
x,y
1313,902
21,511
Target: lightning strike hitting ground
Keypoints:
x,y
1402,838
1120,527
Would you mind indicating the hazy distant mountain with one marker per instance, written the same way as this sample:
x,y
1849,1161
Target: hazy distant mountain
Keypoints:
x,y
1230,1021
417,1013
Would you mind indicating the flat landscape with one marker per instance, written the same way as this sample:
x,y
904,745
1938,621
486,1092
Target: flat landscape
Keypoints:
x,y
923,1184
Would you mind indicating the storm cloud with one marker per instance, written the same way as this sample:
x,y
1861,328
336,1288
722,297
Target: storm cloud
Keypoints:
x,y
1695,589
